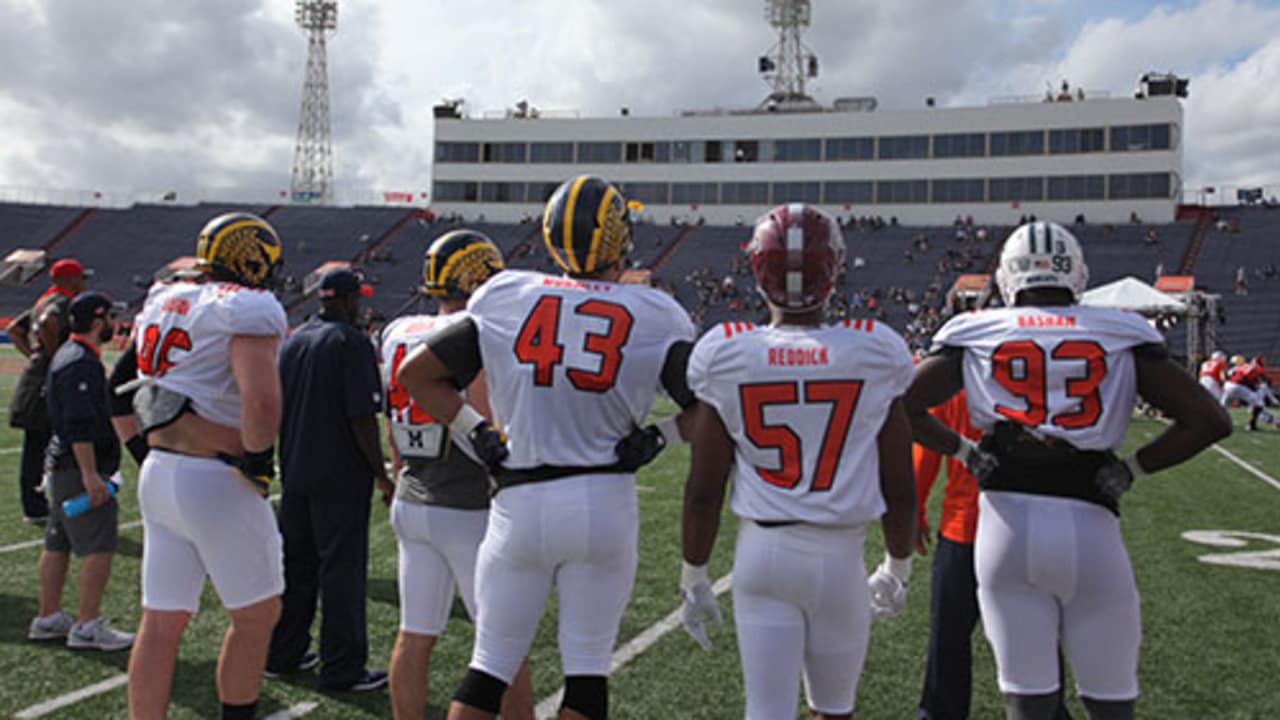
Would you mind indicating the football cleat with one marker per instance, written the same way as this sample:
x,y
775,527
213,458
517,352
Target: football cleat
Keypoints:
x,y
1041,254
241,248
796,251
458,262
586,226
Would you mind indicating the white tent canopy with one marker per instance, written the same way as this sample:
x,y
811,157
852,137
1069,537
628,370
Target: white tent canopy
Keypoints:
x,y
1130,293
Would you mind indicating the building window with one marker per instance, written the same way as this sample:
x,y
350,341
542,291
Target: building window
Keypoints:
x,y
662,152
960,145
641,152
961,190
1077,187
797,192
746,151
848,192
600,152
904,147
744,193
902,191
851,148
540,192
1015,189
805,150
1076,140
551,152
1136,186
453,191
502,192
1021,142
1134,138
457,152
694,193
504,152
647,193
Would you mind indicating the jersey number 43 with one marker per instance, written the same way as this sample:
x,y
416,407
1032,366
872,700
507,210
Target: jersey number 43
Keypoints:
x,y
538,343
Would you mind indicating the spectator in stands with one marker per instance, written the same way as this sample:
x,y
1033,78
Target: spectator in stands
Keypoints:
x,y
37,334
1133,217
1242,281
1152,237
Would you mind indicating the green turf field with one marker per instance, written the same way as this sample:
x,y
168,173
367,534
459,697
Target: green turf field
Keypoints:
x,y
1212,632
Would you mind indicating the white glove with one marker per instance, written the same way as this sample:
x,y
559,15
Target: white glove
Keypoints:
x,y
698,602
888,586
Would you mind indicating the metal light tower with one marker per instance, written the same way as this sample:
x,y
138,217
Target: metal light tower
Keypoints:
x,y
313,155
788,64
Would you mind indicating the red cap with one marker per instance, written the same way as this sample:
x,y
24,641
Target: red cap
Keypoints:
x,y
66,268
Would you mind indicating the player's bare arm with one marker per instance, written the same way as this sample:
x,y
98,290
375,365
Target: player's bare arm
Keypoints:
x,y
19,334
937,379
430,382
1198,421
365,431
49,328
710,459
253,363
897,482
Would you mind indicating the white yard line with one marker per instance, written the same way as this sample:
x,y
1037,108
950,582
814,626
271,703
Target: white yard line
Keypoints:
x,y
10,451
548,708
1248,467
54,704
293,711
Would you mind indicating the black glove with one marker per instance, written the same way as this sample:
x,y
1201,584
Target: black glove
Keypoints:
x,y
978,461
490,445
259,468
639,447
1113,479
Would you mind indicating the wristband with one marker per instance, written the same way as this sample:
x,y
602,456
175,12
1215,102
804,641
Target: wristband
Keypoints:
x,y
465,421
967,449
1135,467
898,567
261,462
670,430
691,575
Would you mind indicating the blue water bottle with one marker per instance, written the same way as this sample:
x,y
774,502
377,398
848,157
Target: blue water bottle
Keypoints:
x,y
74,506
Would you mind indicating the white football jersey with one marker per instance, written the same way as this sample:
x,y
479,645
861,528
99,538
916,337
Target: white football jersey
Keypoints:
x,y
804,406
572,365
183,338
1067,372
418,436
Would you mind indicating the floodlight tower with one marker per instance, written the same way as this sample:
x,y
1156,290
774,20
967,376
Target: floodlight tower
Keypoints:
x,y
788,64
313,155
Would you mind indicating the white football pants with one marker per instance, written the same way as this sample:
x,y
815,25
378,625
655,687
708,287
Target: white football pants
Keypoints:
x,y
438,547
1244,395
1212,386
1050,567
577,533
801,607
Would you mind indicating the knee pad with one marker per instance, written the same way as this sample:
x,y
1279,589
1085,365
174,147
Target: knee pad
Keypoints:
x,y
481,691
1109,709
587,694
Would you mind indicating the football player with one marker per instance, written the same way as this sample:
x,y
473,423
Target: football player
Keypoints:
x,y
442,495
1053,385
209,405
1213,374
1245,384
573,364
808,420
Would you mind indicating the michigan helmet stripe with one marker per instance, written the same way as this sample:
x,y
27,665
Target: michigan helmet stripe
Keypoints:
x,y
570,210
602,212
215,238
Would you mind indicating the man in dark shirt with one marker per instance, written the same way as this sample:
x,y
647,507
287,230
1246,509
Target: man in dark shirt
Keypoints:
x,y
329,457
37,333
82,454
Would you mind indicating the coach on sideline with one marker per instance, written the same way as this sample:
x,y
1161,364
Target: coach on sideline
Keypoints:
x,y
329,456
82,453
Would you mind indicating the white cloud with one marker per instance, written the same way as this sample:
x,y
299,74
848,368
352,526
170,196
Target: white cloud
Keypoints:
x,y
153,94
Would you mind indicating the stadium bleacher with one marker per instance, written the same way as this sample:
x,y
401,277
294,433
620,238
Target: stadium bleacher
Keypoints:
x,y
126,246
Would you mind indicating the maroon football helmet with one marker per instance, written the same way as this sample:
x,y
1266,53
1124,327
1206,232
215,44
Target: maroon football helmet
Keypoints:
x,y
796,251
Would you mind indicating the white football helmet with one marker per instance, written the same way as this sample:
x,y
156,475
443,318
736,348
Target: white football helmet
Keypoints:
x,y
1041,254
1219,355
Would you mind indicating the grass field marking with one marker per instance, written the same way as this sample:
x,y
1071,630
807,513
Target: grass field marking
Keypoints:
x,y
54,704
39,542
548,708
10,451
293,711
1250,468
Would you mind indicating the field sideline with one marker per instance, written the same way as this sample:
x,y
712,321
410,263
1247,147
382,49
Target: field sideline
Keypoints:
x,y
1209,650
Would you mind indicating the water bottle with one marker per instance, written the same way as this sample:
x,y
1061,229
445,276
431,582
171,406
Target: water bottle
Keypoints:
x,y
74,506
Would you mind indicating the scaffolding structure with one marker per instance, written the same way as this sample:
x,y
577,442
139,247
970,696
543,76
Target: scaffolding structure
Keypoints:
x,y
313,155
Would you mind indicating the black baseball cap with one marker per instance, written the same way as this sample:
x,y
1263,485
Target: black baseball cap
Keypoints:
x,y
86,307
342,282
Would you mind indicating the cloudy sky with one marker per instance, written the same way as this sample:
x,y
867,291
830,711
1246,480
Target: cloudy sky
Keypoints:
x,y
199,95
